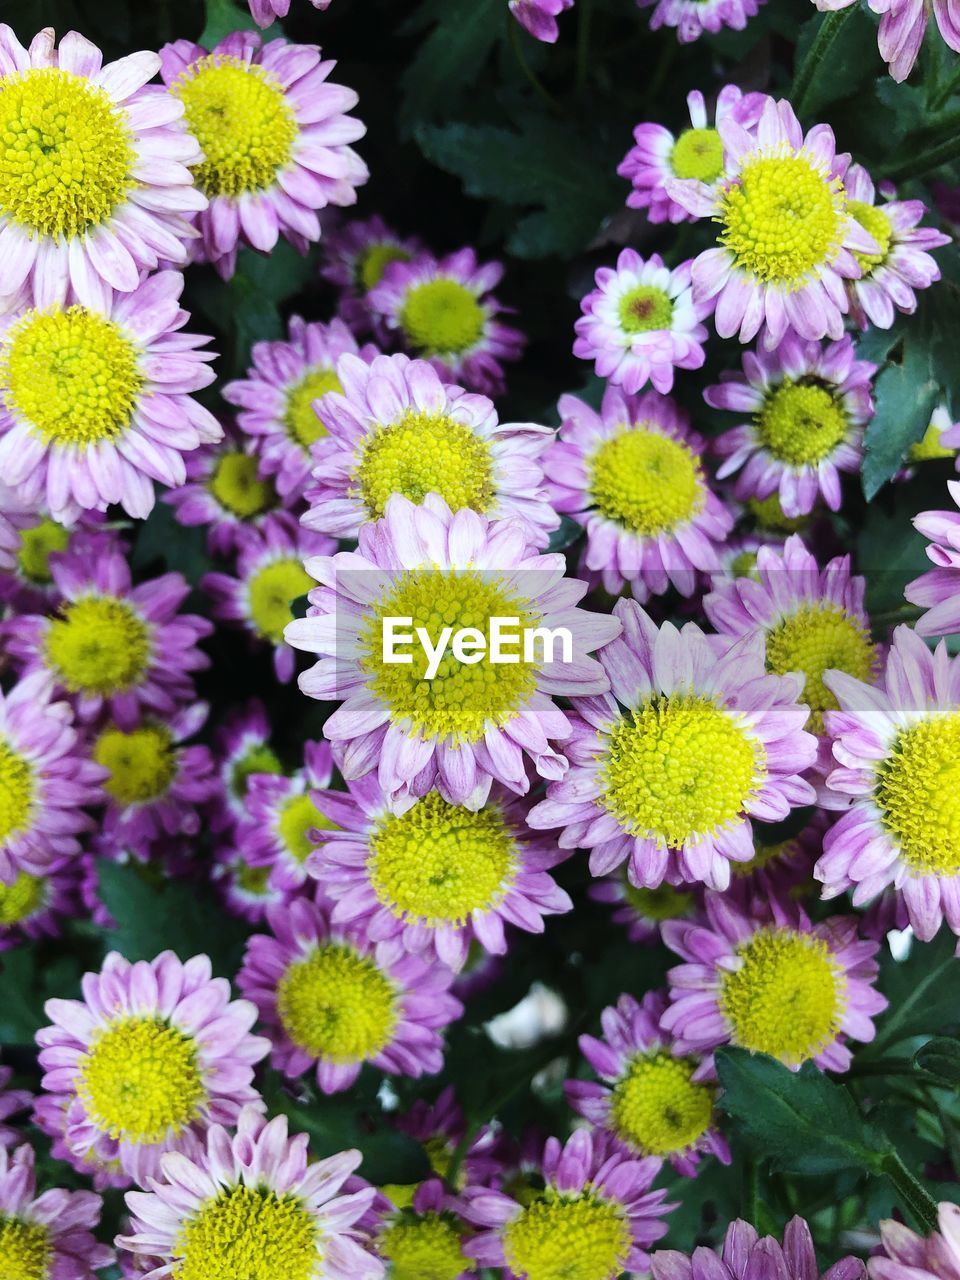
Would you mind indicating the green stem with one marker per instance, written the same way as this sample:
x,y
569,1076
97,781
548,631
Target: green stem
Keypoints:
x,y
912,1194
949,86
924,162
513,37
826,34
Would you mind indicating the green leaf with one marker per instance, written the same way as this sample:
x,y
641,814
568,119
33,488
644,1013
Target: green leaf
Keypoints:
x,y
924,994
450,59
906,395
223,17
940,1057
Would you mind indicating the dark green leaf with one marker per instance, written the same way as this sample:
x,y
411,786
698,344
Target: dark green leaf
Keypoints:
x,y
924,993
224,16
451,59
906,395
940,1057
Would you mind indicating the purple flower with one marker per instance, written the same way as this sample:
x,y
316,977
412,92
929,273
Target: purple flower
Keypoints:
x,y
12,1101
771,982
153,1055
266,11
907,1256
654,1101
938,590
226,490
334,1000
442,310
903,25
692,18
782,870
668,769
438,875
96,403
101,192
394,426
274,138
632,476
539,17
440,1127
641,323
242,750
809,404
251,1201
463,729
642,911
28,585
895,752
35,904
744,1254
354,256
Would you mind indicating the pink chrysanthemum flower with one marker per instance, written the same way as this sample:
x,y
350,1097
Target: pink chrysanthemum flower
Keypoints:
x,y
50,1235
266,11
438,875
903,25
809,404
334,1000
696,153
938,590
354,258
539,17
691,18
418,1231
28,585
812,620
773,268
156,781
96,404
277,398
36,904
45,781
100,192
470,724
596,1205
654,1101
907,1256
440,1127
393,426
274,136
243,748
772,983
642,911
246,890
694,741
269,577
442,310
154,1053
743,1253
895,749
282,817
225,491
12,1101
781,870
251,1203
113,646
640,323
632,476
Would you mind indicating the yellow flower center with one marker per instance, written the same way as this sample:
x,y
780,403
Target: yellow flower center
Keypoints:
x,y
698,153
98,645
918,793
300,419
424,453
786,997
423,1247
813,640
372,263
239,114
73,375
462,699
765,856
568,1238
235,484
258,759
16,792
656,1108
679,768
140,1080
67,153
36,547
298,817
645,308
21,900
876,223
783,219
662,903
142,763
249,1232
768,513
929,449
25,1250
337,1004
646,482
442,317
801,423
252,880
272,590
438,862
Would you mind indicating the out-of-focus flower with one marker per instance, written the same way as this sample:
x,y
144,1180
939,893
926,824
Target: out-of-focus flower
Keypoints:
x,y
938,590
354,257
691,18
281,816
539,17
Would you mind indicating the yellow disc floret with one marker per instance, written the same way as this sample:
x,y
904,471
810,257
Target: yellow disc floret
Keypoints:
x,y
16,791
300,419
271,591
98,645
237,486
239,114
299,816
424,453
662,903
72,374
783,219
561,1237
249,1233
769,514
462,699
67,153
656,1108
801,423
786,997
698,153
646,482
929,448
337,1004
438,862
21,900
371,264
644,309
141,764
25,1249
140,1080
876,222
918,794
442,317
36,547
423,1247
679,768
815,639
